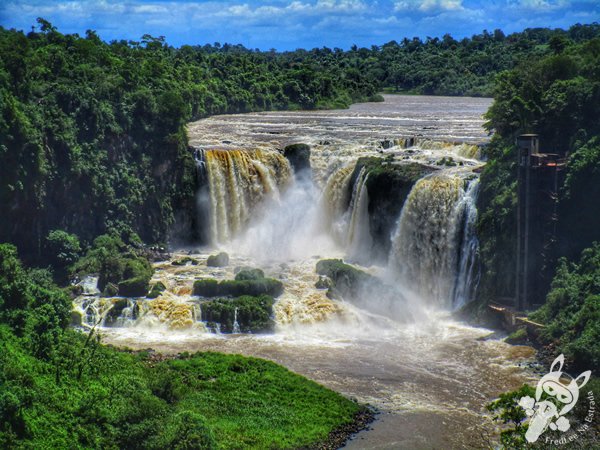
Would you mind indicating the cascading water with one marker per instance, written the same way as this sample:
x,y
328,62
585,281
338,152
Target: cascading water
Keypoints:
x,y
359,240
238,181
467,279
427,256
236,326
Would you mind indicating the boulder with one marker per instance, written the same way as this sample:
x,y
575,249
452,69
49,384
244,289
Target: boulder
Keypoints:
x,y
219,260
156,290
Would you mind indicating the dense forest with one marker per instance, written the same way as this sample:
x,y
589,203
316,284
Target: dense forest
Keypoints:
x,y
558,97
92,134
94,164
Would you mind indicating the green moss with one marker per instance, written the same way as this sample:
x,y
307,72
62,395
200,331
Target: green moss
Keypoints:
x,y
249,274
133,287
235,288
206,288
156,290
517,337
254,314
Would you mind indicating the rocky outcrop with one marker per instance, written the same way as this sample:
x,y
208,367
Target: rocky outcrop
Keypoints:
x,y
299,156
251,314
388,185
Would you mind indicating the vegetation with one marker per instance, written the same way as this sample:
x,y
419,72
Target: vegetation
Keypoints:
x,y
92,135
253,314
572,310
557,97
238,287
60,388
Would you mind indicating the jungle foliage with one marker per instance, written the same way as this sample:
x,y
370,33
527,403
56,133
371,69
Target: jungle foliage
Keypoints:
x,y
60,388
557,97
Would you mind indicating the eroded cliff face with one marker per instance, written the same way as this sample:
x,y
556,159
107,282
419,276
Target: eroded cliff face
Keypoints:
x,y
388,184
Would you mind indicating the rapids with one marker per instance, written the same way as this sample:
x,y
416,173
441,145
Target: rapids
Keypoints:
x,y
430,376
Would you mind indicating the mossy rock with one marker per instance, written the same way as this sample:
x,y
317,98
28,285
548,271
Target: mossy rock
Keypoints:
x,y
518,337
129,272
206,287
110,290
185,261
363,289
323,283
254,313
298,155
236,288
388,186
115,312
76,319
219,260
249,274
134,287
156,290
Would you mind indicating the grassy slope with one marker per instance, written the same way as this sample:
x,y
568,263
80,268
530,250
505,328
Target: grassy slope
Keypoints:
x,y
206,400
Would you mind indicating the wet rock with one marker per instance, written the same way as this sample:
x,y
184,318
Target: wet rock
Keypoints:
x,y
134,287
76,319
388,185
236,288
298,155
219,260
110,290
323,283
186,260
156,290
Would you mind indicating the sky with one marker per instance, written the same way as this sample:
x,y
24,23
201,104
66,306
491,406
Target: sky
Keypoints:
x,y
291,24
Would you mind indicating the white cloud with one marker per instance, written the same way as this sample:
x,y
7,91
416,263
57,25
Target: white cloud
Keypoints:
x,y
428,5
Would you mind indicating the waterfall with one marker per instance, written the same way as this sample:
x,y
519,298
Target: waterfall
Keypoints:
x,y
467,278
334,202
359,240
238,181
434,246
236,326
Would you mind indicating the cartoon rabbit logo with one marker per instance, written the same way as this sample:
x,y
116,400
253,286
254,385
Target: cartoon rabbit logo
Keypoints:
x,y
545,413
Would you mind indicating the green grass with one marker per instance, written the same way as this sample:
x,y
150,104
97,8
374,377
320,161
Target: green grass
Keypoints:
x,y
252,403
123,400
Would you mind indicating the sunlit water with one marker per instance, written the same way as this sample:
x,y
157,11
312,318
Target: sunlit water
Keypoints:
x,y
430,376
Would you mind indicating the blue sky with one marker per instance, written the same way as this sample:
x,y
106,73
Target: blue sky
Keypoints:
x,y
290,24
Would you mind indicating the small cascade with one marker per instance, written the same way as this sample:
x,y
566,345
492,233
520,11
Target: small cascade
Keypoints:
x,y
236,326
335,200
128,315
238,181
467,279
359,240
197,312
430,247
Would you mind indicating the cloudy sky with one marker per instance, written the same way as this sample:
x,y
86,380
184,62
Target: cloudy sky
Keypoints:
x,y
290,24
